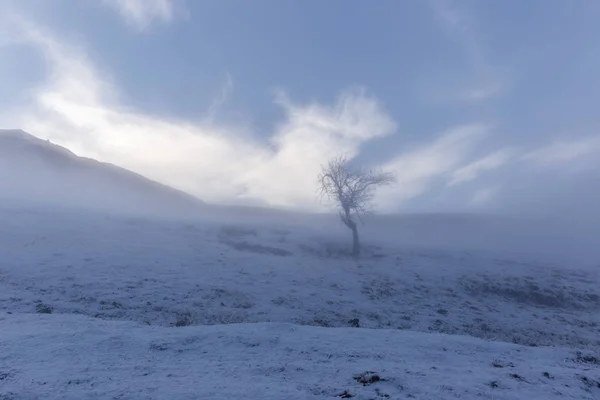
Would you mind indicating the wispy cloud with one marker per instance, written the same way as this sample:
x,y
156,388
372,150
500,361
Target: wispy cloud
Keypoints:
x,y
482,81
562,152
473,170
143,13
221,99
480,93
423,167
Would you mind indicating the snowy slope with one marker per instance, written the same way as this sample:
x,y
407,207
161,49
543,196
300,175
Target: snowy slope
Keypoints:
x,y
154,271
32,169
283,302
75,357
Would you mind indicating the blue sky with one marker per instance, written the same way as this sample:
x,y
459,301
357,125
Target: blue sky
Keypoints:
x,y
474,105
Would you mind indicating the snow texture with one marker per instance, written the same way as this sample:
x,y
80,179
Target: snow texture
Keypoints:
x,y
192,309
77,357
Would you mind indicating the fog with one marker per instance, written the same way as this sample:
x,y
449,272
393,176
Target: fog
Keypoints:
x,y
38,172
174,223
559,225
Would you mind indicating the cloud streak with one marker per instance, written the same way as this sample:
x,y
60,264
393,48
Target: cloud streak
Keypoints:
x,y
473,170
562,152
219,101
484,80
418,170
141,14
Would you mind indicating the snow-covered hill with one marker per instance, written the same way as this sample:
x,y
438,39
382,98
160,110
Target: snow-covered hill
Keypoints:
x,y
36,170
101,306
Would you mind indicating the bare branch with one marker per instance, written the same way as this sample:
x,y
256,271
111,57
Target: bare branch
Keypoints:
x,y
351,190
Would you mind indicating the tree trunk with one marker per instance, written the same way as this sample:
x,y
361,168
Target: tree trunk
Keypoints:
x,y
355,241
346,218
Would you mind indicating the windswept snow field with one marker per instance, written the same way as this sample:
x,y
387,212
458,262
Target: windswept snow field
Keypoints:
x,y
94,306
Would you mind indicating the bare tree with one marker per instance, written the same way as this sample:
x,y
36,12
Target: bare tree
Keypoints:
x,y
352,191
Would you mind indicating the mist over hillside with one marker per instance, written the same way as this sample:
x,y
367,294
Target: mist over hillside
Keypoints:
x,y
37,171
138,306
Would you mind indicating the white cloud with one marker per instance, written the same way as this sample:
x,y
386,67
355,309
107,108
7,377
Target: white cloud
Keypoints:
x,y
418,170
562,152
474,169
78,108
142,13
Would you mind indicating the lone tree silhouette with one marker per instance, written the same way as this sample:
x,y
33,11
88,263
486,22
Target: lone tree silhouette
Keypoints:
x,y
352,191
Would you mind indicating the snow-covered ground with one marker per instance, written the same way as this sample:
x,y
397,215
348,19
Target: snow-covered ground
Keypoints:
x,y
76,357
145,289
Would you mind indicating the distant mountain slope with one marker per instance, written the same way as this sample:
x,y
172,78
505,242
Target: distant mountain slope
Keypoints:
x,y
36,170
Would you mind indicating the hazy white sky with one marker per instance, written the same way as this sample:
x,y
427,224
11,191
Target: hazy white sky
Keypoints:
x,y
242,103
